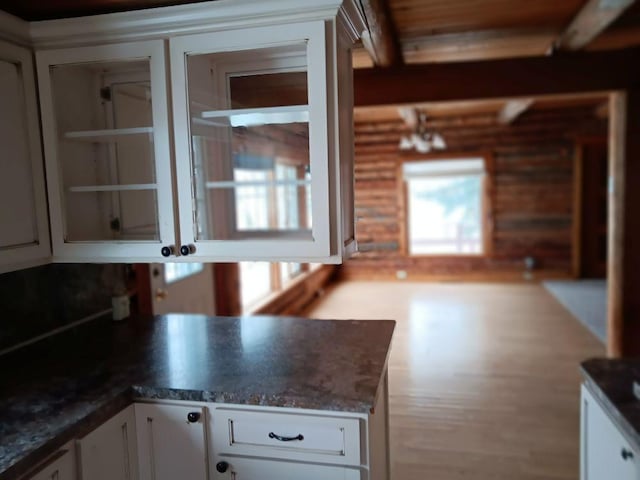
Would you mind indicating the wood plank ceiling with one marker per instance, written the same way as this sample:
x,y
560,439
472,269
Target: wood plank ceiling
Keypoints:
x,y
428,31
440,31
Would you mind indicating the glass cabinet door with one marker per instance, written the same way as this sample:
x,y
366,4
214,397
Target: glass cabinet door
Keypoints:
x,y
251,142
24,231
107,149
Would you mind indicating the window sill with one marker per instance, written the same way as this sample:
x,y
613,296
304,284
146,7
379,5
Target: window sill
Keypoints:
x,y
276,302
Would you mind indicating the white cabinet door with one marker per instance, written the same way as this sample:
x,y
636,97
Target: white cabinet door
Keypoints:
x,y
60,467
240,468
172,442
109,452
24,228
253,145
107,151
605,452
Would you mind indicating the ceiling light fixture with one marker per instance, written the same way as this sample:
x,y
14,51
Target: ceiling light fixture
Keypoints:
x,y
422,140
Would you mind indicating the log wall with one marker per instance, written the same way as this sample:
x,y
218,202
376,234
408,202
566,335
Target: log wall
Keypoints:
x,y
531,199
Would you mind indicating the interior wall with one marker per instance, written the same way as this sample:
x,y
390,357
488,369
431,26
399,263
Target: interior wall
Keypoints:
x,y
532,199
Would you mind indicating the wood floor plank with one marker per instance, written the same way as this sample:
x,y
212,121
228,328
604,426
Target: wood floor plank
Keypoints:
x,y
484,380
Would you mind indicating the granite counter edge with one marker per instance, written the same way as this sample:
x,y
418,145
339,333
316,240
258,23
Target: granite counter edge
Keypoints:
x,y
620,420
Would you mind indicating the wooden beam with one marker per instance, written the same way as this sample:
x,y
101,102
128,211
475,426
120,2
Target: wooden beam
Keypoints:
x,y
513,109
226,277
615,257
623,269
561,74
576,214
381,40
594,17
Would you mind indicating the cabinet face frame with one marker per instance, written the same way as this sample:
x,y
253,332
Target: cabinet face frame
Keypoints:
x,y
311,33
110,250
39,252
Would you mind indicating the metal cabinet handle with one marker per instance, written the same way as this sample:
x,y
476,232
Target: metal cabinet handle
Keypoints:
x,y
167,251
626,454
286,439
222,467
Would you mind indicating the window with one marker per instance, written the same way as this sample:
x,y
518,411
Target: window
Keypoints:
x,y
255,282
261,206
445,206
258,280
174,272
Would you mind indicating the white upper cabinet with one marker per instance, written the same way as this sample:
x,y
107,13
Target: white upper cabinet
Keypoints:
x,y
252,143
24,229
106,139
259,162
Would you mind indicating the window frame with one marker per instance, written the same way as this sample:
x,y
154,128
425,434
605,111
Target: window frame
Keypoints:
x,y
487,200
276,285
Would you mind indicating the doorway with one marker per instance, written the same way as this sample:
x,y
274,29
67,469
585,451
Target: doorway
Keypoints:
x,y
182,288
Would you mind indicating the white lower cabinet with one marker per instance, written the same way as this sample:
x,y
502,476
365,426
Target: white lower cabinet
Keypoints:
x,y
172,442
605,452
59,467
109,452
186,441
238,468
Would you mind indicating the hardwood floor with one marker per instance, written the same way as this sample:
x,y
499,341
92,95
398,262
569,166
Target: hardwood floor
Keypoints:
x,y
484,380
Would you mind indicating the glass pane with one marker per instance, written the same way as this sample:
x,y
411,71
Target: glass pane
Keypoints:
x,y
104,122
288,271
445,215
17,208
129,215
250,144
174,272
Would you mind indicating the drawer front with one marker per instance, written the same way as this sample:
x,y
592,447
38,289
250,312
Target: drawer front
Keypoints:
x,y
289,436
252,469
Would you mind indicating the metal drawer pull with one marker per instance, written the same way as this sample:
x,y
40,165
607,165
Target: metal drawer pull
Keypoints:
x,y
626,454
286,439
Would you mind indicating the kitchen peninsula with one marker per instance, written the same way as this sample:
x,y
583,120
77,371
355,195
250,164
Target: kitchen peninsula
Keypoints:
x,y
266,394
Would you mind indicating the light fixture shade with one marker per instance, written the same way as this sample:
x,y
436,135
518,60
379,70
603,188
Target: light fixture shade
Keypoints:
x,y
405,143
422,145
438,142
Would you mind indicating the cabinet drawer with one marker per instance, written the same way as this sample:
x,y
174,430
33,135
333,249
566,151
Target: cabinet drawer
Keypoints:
x,y
284,435
239,468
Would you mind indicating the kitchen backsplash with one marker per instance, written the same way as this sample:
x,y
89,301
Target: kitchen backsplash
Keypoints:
x,y
39,300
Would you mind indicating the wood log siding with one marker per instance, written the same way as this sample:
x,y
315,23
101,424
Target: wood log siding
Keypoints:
x,y
531,202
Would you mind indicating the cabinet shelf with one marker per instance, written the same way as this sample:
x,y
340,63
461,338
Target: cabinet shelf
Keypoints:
x,y
105,136
114,188
258,183
252,117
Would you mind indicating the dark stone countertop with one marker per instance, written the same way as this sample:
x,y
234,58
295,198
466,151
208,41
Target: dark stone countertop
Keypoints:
x,y
65,386
611,381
